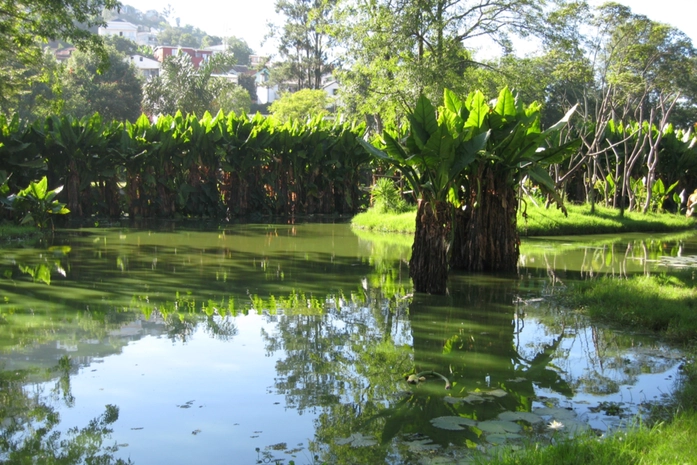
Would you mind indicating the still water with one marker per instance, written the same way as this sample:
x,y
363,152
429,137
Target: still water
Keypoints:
x,y
291,344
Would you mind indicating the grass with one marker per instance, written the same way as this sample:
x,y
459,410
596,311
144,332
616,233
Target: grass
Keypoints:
x,y
539,221
663,304
664,443
372,220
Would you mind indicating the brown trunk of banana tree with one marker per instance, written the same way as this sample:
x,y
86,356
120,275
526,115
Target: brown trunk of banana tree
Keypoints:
x,y
428,266
486,238
72,188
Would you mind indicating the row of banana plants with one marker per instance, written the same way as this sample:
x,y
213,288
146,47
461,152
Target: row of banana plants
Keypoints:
x,y
182,166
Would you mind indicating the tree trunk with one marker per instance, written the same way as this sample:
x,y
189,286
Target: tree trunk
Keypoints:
x,y
428,266
486,238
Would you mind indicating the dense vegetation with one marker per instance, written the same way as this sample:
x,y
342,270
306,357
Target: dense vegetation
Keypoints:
x,y
219,167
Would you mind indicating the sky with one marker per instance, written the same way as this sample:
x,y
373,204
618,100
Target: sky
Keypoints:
x,y
247,19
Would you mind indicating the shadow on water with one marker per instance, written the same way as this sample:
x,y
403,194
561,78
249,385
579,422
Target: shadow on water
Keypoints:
x,y
296,342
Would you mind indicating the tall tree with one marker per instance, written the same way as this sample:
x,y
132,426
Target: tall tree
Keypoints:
x,y
399,49
304,42
301,105
115,93
181,87
239,49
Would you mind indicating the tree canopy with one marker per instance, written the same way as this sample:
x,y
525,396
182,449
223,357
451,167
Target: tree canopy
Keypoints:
x,y
304,104
182,87
115,93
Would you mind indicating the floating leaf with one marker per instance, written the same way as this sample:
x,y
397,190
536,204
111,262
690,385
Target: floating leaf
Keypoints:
x,y
560,414
422,445
452,423
473,398
496,393
499,427
502,438
520,416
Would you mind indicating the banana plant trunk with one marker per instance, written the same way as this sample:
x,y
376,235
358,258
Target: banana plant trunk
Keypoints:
x,y
486,236
428,266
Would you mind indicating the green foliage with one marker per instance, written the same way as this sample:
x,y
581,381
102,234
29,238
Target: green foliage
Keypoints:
x,y
438,147
653,302
218,166
302,105
399,53
115,93
304,42
239,49
386,197
26,21
36,204
186,36
182,87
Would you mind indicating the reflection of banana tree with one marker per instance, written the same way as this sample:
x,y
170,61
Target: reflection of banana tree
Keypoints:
x,y
474,347
183,315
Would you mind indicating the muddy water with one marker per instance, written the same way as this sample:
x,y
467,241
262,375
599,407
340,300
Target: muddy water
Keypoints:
x,y
280,343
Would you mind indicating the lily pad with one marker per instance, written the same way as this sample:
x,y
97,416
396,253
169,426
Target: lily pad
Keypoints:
x,y
560,414
521,416
496,393
452,423
357,440
502,438
499,427
422,445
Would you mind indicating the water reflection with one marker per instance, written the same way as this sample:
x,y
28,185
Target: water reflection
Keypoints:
x,y
296,340
30,420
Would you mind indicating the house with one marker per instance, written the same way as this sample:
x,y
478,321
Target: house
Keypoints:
x,y
121,28
147,38
147,67
266,93
330,86
197,56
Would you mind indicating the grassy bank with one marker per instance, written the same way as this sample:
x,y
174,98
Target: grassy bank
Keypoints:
x,y
666,305
540,221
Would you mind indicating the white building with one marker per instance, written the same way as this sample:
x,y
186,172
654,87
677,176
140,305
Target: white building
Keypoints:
x,y
121,28
147,67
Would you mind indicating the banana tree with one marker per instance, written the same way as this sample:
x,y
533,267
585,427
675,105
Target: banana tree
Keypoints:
x,y
72,147
432,157
486,238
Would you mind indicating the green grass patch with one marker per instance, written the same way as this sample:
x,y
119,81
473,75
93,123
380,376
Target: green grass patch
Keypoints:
x,y
551,221
373,220
666,304
539,221
664,443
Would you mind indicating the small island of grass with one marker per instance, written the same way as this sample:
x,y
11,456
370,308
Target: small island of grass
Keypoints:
x,y
540,221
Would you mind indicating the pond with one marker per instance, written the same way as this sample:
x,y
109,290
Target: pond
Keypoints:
x,y
292,344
